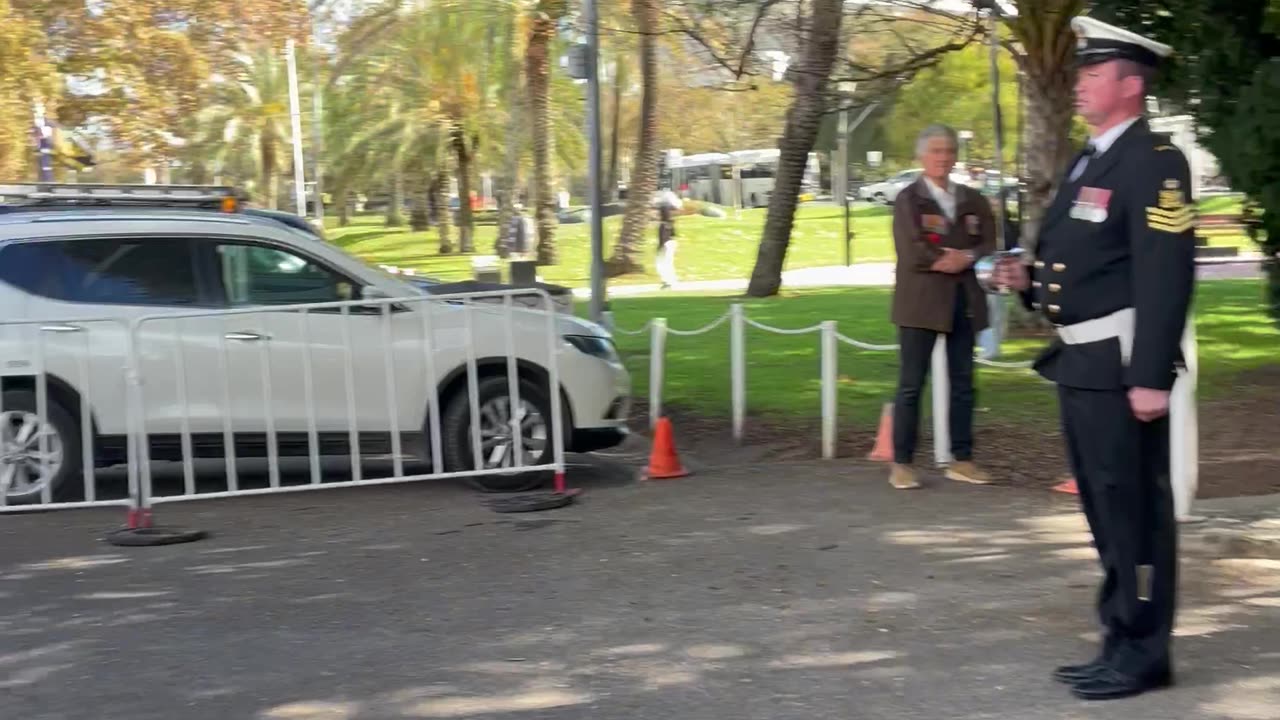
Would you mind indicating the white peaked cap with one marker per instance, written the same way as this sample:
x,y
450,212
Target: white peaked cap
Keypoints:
x,y
1099,42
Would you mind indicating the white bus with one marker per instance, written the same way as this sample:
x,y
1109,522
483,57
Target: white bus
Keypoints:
x,y
743,178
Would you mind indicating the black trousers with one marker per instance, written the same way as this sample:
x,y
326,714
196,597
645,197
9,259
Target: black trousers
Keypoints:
x,y
1122,470
913,367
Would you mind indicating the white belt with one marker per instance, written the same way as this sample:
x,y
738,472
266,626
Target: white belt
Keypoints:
x,y
1118,324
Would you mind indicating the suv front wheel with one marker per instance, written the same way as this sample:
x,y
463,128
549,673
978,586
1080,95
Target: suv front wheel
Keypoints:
x,y
497,444
28,465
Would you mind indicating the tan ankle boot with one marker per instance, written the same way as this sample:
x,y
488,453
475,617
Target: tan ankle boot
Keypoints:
x,y
966,471
903,477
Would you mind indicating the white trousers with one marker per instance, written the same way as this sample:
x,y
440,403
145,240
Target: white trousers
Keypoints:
x,y
666,262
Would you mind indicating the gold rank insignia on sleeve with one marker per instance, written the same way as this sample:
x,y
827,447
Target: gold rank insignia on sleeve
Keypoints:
x,y
1172,214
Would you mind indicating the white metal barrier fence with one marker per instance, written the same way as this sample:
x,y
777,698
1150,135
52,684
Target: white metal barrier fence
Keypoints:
x,y
350,379
55,372
1184,434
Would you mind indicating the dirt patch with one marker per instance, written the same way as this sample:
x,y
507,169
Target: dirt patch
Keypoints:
x,y
1239,450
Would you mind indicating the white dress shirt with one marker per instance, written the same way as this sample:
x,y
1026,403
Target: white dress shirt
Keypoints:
x,y
1101,144
946,197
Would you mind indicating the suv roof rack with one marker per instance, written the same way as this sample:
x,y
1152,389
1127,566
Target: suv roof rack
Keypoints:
x,y
45,195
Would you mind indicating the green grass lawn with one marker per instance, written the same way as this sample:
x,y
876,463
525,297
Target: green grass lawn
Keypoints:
x,y
783,370
710,249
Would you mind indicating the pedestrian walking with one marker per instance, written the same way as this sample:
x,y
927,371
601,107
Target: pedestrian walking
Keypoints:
x,y
1115,273
665,261
939,229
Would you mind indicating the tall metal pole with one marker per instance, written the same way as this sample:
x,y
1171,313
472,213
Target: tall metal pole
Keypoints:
x,y
594,155
295,114
317,143
842,187
994,33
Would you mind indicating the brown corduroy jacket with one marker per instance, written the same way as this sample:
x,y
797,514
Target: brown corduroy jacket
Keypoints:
x,y
925,298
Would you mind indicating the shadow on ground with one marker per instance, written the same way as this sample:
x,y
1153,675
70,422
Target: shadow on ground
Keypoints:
x,y
797,590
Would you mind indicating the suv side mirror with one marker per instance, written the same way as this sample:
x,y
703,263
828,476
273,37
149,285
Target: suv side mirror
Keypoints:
x,y
371,292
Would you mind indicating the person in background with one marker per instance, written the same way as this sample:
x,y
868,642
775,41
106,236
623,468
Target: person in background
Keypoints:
x,y
939,229
668,203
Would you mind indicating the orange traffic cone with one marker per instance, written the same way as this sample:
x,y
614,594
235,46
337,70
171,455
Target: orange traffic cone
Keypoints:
x,y
1068,486
883,451
664,464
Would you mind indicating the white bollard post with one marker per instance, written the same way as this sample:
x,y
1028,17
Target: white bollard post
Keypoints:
x,y
829,389
940,382
738,368
1184,432
657,354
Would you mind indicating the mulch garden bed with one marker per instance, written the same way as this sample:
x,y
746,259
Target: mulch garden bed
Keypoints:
x,y
1239,449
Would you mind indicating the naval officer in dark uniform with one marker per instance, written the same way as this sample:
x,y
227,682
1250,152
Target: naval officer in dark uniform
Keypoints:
x,y
1114,272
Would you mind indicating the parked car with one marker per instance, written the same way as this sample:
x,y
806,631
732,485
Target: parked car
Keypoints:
x,y
887,191
64,263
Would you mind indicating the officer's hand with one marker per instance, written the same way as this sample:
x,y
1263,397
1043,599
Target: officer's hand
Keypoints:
x,y
1148,404
1011,273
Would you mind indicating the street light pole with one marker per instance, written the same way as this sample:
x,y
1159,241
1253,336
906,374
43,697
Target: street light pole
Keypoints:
x,y
842,155
594,159
993,17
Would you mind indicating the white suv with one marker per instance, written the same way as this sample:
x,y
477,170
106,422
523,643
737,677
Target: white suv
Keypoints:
x,y
66,268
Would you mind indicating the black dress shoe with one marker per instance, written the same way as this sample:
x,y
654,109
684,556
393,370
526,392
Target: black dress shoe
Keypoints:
x,y
1111,684
1072,674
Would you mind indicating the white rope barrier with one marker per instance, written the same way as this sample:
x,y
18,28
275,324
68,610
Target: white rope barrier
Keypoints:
x,y
1024,365
1183,428
704,329
867,346
783,331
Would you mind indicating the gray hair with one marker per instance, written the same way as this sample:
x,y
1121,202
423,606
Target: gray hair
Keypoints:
x,y
933,131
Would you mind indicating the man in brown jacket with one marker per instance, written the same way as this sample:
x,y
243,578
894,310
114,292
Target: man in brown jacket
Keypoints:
x,y
939,229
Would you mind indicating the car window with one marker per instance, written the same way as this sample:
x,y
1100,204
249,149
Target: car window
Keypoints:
x,y
105,271
264,275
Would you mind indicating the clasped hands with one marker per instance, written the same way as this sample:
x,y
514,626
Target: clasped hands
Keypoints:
x,y
952,261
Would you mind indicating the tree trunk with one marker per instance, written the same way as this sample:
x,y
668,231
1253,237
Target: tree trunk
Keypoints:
x,y
268,150
1050,110
340,196
343,196
804,118
644,176
539,81
421,203
465,154
444,221
394,217
510,179
610,190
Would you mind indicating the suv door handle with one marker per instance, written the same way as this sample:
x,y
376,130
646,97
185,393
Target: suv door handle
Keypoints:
x,y
62,328
245,336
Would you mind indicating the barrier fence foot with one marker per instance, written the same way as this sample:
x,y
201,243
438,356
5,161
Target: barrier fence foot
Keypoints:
x,y
140,532
531,502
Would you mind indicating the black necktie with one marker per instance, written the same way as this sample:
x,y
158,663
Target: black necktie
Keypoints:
x,y
1083,163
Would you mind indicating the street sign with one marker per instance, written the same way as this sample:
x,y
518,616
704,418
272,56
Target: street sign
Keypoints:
x,y
577,61
874,158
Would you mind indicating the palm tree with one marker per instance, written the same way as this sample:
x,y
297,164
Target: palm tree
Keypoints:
x,y
644,175
546,14
247,116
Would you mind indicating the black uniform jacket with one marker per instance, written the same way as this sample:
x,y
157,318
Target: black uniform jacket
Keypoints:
x,y
1121,235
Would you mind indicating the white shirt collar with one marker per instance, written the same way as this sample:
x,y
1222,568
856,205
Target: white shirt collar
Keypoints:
x,y
949,190
945,197
1104,141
